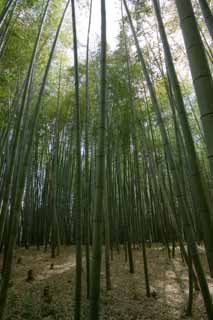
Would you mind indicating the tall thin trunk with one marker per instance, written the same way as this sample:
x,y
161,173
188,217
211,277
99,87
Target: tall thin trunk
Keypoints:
x,y
17,201
5,11
78,174
195,176
100,176
87,188
16,138
200,70
183,210
136,162
207,14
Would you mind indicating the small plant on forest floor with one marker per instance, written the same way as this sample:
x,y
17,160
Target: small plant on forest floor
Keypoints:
x,y
31,309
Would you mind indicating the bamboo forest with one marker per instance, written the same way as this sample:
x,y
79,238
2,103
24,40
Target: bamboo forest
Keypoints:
x,y
106,159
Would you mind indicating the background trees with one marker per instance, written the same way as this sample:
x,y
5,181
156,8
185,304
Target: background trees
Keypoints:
x,y
106,153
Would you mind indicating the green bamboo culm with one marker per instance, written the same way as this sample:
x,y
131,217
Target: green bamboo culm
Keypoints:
x,y
198,191
136,157
16,203
207,14
100,176
78,173
182,206
200,71
87,182
23,110
6,10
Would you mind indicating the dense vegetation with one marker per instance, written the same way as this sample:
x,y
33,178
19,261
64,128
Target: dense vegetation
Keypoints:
x,y
106,147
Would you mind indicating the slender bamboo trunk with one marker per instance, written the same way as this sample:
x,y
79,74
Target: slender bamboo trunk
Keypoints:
x,y
87,187
183,211
17,201
207,14
200,70
78,174
198,191
100,176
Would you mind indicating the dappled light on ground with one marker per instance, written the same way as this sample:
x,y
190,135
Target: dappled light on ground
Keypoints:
x,y
126,300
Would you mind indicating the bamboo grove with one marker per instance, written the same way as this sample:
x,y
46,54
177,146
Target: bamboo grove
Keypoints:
x,y
113,149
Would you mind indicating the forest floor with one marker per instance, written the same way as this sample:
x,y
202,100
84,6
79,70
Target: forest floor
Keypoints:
x,y
126,300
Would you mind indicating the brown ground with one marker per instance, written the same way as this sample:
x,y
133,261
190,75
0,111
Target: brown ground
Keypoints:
x,y
126,300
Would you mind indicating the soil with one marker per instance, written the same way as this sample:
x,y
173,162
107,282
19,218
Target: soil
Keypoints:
x,y
50,294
